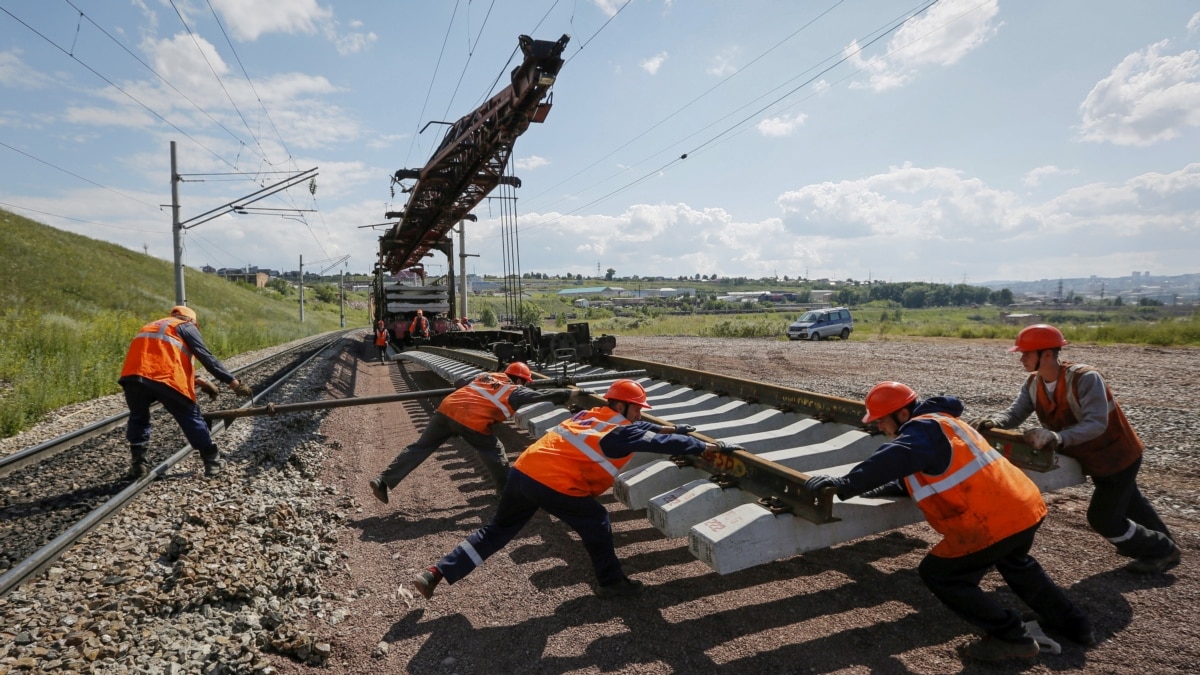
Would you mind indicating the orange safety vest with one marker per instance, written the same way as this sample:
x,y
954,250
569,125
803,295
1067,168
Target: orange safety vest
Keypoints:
x,y
481,403
381,338
1112,451
568,459
158,353
979,499
419,326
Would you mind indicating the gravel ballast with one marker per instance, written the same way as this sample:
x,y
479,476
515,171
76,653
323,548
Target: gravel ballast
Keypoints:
x,y
288,564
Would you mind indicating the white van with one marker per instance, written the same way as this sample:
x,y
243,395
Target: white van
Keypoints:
x,y
819,324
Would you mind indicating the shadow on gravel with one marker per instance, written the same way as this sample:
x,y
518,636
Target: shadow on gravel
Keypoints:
x,y
844,613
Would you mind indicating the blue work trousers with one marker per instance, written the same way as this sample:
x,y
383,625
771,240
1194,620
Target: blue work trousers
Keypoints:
x,y
522,497
440,430
955,581
1120,513
140,395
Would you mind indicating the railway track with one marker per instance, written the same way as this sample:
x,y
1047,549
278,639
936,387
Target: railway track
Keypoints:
x,y
749,508
54,493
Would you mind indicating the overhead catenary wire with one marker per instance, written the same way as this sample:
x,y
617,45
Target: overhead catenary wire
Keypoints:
x,y
77,220
75,175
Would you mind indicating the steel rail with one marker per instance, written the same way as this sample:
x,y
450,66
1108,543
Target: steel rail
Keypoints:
x,y
47,449
43,557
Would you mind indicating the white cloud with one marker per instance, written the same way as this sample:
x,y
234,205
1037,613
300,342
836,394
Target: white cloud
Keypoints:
x,y
609,7
249,20
349,43
722,64
942,36
1193,24
1149,97
17,74
652,64
780,126
532,162
1035,176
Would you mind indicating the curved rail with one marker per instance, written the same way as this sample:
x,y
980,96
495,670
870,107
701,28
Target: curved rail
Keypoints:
x,y
50,552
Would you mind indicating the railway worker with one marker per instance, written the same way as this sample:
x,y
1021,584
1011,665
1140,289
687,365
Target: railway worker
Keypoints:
x,y
158,367
381,341
1080,418
986,509
466,324
419,328
469,413
563,472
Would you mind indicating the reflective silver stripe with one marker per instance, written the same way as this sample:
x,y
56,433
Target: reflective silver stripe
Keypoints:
x,y
496,398
471,552
161,334
983,456
580,443
1128,533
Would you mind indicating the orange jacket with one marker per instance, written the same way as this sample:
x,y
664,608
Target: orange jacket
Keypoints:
x,y
568,459
1115,449
158,353
979,499
381,337
481,403
419,326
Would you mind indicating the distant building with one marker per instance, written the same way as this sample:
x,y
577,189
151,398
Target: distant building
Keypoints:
x,y
256,279
602,291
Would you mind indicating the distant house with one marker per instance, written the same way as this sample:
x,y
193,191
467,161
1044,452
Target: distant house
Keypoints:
x,y
257,279
821,295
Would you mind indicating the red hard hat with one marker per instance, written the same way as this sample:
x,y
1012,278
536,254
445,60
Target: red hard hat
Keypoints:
x,y
627,391
886,398
1037,337
518,369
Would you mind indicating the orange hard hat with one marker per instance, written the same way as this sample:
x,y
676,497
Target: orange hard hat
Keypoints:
x,y
184,312
518,369
886,398
1037,337
627,391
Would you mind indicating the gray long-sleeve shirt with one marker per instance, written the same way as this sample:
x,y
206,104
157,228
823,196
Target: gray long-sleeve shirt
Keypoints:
x,y
1091,393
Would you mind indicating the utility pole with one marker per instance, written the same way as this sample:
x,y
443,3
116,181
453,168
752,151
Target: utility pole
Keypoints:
x,y
301,288
462,258
177,232
342,295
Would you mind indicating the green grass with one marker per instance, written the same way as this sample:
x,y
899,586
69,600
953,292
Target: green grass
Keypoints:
x,y
69,306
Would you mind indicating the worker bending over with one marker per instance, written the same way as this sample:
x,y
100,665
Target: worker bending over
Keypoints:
x,y
563,472
986,509
1080,418
158,367
469,413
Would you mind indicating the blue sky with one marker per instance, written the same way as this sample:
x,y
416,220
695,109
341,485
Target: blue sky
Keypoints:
x,y
979,140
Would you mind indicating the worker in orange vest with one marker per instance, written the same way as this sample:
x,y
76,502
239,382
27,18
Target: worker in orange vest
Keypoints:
x,y
986,510
563,473
419,328
158,367
470,412
1080,418
381,341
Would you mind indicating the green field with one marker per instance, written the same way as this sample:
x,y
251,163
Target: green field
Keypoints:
x,y
69,306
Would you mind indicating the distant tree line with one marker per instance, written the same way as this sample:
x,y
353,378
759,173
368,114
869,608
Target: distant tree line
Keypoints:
x,y
916,294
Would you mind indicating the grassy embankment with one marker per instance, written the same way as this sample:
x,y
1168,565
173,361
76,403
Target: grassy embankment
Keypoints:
x,y
69,306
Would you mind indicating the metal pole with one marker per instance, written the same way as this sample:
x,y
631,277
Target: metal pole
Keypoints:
x,y
177,232
301,288
462,258
342,295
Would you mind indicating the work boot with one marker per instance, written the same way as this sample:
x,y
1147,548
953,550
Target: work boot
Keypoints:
x,y
1080,632
994,649
625,588
138,467
426,581
1156,565
214,467
379,489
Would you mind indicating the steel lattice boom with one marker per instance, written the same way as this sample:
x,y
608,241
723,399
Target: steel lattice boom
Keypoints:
x,y
470,162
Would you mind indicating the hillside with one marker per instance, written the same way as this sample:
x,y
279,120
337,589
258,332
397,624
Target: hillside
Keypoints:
x,y
69,305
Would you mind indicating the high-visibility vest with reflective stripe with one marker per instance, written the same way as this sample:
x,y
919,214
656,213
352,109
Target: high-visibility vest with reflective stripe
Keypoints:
x,y
381,338
1115,449
158,353
481,403
568,458
979,499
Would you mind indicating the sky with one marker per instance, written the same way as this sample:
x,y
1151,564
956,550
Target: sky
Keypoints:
x,y
958,141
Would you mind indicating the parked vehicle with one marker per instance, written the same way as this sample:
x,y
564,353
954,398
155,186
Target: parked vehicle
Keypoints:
x,y
819,324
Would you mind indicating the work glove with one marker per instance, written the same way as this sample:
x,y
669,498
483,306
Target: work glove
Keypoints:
x,y
579,399
684,428
728,448
560,396
208,388
816,484
241,389
1043,439
982,423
